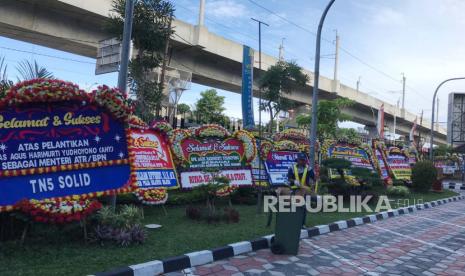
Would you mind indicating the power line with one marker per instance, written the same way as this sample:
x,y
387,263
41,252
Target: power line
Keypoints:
x,y
331,42
292,54
46,55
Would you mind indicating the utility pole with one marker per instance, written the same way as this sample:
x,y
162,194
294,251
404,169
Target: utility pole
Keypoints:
x,y
260,129
125,51
281,50
358,83
419,133
403,95
126,46
202,13
336,58
437,114
260,23
313,127
395,121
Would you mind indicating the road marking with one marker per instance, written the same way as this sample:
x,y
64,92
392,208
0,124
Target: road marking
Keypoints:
x,y
340,258
439,221
417,240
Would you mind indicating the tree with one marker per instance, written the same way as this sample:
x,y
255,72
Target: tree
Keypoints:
x,y
349,135
183,109
329,114
443,150
32,70
210,107
277,81
150,34
338,164
5,83
26,70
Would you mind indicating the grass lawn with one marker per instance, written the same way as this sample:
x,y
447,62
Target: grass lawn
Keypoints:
x,y
52,251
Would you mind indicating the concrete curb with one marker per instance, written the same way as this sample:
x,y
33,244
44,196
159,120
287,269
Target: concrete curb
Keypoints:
x,y
208,256
455,186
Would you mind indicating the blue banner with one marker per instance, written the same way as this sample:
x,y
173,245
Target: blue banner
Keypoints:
x,y
60,184
59,149
156,179
247,87
278,164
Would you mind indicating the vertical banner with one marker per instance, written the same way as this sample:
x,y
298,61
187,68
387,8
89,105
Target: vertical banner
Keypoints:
x,y
247,87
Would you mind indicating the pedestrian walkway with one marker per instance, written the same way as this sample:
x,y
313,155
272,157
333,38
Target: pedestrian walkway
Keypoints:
x,y
427,242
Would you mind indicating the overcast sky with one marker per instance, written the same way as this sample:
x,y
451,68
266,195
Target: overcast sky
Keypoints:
x,y
380,39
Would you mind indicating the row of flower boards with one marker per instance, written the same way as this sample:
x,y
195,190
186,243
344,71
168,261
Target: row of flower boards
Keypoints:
x,y
61,145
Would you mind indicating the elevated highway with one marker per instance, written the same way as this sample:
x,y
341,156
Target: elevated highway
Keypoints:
x,y
76,26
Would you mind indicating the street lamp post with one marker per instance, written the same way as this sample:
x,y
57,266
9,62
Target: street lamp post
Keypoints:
x,y
432,115
315,86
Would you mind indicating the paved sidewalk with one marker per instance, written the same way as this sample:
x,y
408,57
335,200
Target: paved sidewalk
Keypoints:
x,y
427,242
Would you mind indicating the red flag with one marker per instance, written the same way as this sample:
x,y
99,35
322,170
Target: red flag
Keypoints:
x,y
380,125
412,131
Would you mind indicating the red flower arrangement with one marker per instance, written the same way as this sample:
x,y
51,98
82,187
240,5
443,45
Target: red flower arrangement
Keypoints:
x,y
211,130
225,191
265,148
162,126
290,134
149,196
59,211
136,122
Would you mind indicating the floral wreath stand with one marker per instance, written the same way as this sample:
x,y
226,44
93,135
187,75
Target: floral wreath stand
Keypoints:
x,y
151,196
287,140
72,208
212,131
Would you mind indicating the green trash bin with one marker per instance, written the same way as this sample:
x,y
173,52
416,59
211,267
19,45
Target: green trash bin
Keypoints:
x,y
287,232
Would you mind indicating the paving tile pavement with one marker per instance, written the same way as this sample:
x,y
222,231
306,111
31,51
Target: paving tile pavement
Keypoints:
x,y
426,242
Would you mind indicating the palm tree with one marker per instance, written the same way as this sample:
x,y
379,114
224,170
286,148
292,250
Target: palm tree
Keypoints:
x,y
5,83
28,70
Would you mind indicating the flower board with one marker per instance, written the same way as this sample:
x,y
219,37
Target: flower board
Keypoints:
x,y
213,147
58,141
359,155
399,164
277,165
379,159
152,159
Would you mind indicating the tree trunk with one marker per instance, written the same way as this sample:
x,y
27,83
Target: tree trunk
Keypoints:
x,y
271,119
163,70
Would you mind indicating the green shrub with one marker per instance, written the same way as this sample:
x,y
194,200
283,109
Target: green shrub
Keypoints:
x,y
123,227
401,191
398,182
367,177
128,198
423,176
245,195
337,164
185,197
